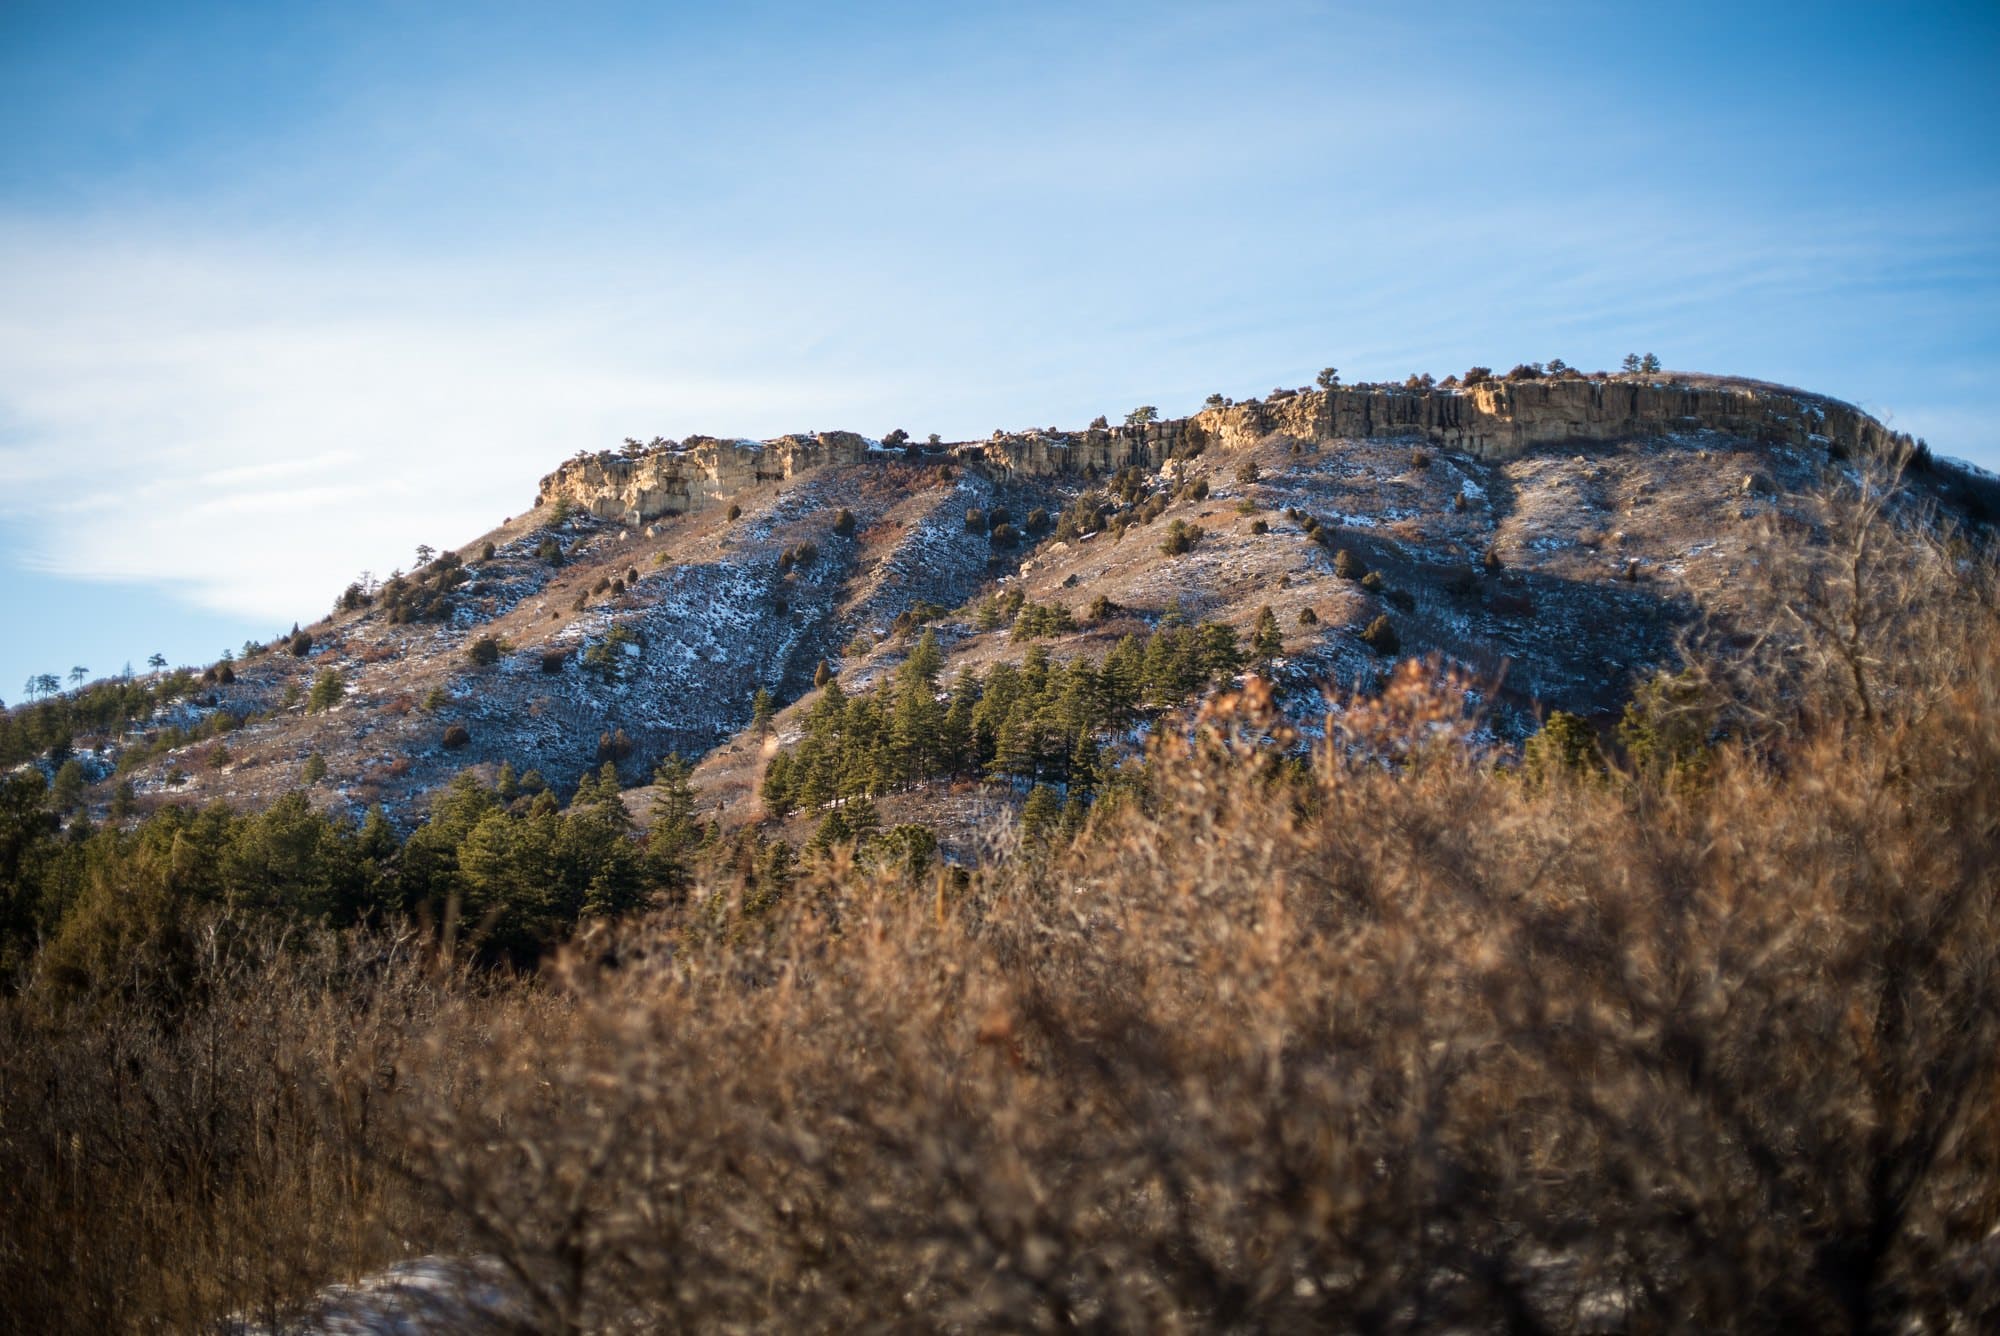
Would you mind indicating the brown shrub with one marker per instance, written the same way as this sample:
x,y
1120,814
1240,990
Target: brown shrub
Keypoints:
x,y
1381,636
377,773
1388,1040
224,1168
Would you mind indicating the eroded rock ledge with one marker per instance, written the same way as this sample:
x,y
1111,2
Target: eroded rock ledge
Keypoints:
x,y
676,477
1495,419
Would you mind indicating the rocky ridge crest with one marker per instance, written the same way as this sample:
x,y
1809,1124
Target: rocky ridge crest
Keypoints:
x,y
1491,420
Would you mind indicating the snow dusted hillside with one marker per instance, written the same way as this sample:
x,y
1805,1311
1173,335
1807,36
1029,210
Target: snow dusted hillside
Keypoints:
x,y
1555,576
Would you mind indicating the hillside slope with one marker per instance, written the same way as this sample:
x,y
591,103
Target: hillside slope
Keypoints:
x,y
638,608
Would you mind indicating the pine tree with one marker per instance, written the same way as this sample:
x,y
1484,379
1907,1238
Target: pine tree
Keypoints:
x,y
67,793
1082,702
377,840
506,879
1565,745
909,849
926,661
773,875
862,819
1083,765
1075,812
1220,656
1041,815
1016,748
917,724
674,801
675,832
761,712
997,695
327,689
957,748
831,834
601,796
816,769
1125,677
1035,671
1162,678
777,791
862,735
1267,642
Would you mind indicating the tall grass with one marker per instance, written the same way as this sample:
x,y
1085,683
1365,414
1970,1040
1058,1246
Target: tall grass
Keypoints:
x,y
1396,1040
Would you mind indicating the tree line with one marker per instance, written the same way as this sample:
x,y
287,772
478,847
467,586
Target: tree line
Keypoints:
x,y
49,726
503,865
1036,722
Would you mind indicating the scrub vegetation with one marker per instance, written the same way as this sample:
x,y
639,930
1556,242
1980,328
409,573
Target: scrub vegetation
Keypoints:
x,y
1692,1024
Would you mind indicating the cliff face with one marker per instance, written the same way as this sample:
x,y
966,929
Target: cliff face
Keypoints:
x,y
1500,419
1493,420
1097,452
701,470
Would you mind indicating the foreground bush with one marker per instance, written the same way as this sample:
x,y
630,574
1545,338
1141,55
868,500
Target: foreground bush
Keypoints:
x,y
1387,1040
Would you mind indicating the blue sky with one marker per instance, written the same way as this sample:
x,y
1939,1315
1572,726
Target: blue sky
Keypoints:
x,y
286,290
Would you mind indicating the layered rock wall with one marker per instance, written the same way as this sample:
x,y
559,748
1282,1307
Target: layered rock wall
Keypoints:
x,y
1097,452
697,472
1499,419
1494,420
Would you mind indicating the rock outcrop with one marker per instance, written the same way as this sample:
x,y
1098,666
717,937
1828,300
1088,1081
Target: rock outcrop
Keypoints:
x,y
689,475
1097,452
1493,419
1499,419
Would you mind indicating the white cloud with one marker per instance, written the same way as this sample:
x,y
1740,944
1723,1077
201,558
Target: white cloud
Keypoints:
x,y
255,431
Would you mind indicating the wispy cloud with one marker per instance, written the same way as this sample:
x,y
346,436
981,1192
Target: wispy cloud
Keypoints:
x,y
253,421
254,431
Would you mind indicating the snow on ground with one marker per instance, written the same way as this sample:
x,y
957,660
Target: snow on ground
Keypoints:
x,y
712,616
424,1297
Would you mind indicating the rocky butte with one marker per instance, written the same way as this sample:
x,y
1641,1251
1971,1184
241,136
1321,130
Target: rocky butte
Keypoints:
x,y
1493,419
